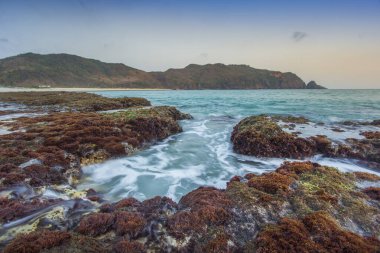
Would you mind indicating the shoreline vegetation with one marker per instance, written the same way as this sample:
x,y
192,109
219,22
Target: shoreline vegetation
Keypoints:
x,y
299,207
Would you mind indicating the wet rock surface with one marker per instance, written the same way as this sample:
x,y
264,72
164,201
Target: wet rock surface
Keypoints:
x,y
272,136
42,155
300,207
70,101
56,145
261,136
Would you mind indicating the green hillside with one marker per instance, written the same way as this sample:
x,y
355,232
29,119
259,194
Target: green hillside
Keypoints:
x,y
64,70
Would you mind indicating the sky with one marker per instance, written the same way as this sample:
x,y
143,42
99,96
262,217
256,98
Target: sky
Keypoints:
x,y
334,42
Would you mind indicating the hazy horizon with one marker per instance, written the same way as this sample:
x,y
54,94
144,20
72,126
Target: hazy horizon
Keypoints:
x,y
334,43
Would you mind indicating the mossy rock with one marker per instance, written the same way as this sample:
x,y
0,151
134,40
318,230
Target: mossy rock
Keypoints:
x,y
261,136
71,101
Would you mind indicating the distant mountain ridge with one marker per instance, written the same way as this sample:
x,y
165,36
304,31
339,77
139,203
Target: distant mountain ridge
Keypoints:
x,y
64,70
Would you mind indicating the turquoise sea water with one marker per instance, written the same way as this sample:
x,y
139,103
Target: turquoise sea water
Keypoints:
x,y
202,154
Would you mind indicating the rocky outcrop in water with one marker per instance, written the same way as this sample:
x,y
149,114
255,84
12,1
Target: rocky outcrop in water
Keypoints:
x,y
70,101
312,85
262,136
42,156
51,148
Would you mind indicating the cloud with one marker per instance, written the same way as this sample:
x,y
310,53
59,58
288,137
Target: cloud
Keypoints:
x,y
4,40
204,55
298,36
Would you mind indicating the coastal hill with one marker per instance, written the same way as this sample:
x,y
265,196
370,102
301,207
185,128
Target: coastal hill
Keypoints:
x,y
64,70
220,76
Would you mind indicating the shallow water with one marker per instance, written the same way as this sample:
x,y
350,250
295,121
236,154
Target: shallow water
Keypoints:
x,y
202,154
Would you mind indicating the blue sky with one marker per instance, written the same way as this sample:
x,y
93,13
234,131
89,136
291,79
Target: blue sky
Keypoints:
x,y
336,43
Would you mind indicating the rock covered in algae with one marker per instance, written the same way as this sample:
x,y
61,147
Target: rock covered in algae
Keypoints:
x,y
40,163
54,242
59,143
71,101
299,207
316,232
255,213
300,188
262,136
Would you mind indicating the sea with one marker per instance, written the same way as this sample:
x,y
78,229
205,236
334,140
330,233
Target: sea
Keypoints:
x,y
202,154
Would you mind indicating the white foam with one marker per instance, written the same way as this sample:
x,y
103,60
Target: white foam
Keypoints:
x,y
344,165
4,131
52,194
200,156
11,107
313,129
19,115
29,163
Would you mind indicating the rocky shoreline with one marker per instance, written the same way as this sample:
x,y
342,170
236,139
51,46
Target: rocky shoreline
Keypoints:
x,y
275,136
299,207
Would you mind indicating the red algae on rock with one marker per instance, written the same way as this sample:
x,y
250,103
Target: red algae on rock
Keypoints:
x,y
217,244
287,236
208,204
126,246
73,101
303,188
11,209
200,210
271,183
316,232
371,135
60,142
300,207
124,223
261,136
129,223
366,176
126,203
36,242
373,192
45,153
204,196
96,224
294,169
